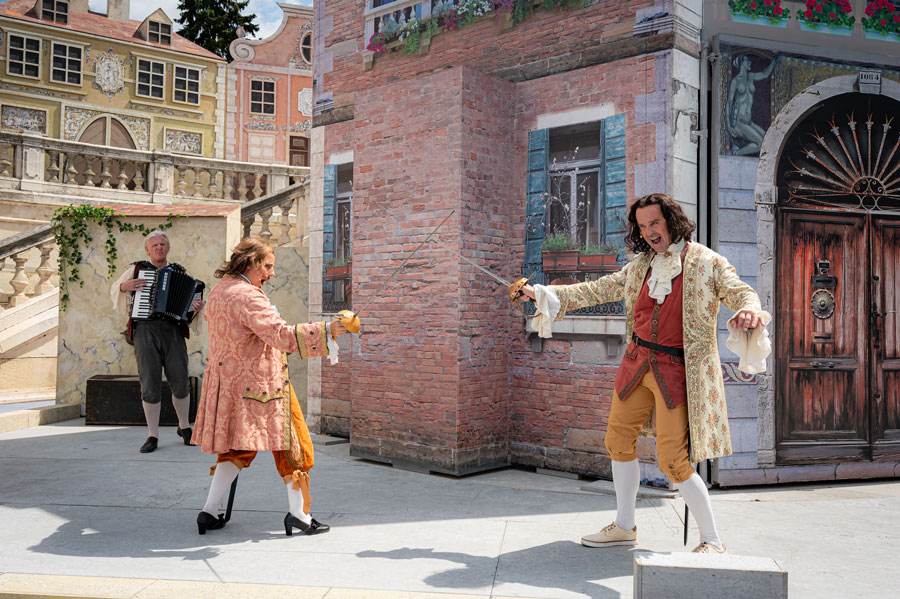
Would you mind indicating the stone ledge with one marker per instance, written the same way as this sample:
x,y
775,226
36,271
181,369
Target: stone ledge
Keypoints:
x,y
694,575
13,421
795,474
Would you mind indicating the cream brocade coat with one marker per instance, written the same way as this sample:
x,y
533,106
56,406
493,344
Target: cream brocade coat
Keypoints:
x,y
708,280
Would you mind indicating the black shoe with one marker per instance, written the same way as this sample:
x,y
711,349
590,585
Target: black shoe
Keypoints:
x,y
149,445
185,433
313,528
206,521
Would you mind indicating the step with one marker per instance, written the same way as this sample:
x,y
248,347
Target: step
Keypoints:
x,y
702,576
37,318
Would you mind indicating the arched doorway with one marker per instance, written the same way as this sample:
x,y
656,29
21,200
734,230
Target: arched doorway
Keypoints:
x,y
837,286
106,131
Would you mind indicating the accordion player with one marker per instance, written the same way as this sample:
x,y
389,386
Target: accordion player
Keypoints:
x,y
168,294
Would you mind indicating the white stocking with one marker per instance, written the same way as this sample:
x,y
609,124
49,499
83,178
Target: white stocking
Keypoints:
x,y
626,480
182,405
695,495
151,415
225,474
295,503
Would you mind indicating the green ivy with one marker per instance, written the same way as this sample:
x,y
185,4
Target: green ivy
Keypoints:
x,y
71,229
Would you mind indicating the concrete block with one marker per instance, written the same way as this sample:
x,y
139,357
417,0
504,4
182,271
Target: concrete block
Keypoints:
x,y
665,575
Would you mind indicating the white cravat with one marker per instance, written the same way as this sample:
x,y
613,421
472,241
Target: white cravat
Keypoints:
x,y
665,267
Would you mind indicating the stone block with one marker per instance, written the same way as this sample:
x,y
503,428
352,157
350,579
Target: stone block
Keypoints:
x,y
664,575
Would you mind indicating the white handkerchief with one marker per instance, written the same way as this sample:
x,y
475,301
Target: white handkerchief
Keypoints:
x,y
752,346
333,349
547,304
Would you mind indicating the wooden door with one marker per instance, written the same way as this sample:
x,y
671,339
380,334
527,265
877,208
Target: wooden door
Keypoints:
x,y
885,337
821,337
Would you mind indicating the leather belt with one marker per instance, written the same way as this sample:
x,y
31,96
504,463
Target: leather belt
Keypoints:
x,y
672,351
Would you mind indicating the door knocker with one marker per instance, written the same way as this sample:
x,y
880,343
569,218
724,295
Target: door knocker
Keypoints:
x,y
822,304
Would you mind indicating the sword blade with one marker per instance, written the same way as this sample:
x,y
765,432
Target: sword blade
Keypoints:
x,y
451,250
402,264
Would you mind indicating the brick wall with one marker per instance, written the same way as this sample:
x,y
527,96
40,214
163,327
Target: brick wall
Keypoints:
x,y
484,45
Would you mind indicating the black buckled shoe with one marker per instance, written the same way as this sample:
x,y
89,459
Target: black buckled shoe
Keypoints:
x,y
149,445
185,433
313,528
206,521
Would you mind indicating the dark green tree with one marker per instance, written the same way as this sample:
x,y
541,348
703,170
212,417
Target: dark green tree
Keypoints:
x,y
213,23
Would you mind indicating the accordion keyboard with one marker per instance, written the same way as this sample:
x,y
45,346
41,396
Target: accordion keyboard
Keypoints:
x,y
143,297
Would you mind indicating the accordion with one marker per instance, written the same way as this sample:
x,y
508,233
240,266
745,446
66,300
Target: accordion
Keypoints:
x,y
167,294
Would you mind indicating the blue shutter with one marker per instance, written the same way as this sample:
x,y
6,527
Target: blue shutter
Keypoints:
x,y
536,202
328,214
613,183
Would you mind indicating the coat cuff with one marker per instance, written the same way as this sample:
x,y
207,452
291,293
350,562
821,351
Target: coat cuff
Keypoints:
x,y
312,339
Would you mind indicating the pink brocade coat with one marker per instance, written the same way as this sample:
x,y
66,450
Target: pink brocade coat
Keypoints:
x,y
244,404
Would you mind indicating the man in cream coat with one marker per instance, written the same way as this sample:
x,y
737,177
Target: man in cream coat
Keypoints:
x,y
672,289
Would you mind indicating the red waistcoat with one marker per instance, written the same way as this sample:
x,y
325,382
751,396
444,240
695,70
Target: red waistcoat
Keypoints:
x,y
661,324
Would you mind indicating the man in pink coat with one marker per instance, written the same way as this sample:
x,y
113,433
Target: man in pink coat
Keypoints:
x,y
248,403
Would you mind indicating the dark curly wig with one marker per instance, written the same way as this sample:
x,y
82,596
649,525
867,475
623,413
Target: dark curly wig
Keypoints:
x,y
680,226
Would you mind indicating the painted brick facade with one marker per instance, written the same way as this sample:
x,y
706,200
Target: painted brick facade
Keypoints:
x,y
445,376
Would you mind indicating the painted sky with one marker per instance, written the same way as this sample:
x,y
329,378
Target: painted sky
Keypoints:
x,y
268,13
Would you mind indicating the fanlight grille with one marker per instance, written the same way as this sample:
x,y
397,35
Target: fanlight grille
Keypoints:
x,y
848,164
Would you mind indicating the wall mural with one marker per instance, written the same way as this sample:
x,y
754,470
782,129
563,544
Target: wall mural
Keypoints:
x,y
24,119
748,103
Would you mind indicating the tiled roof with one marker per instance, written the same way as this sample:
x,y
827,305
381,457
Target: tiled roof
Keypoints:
x,y
101,25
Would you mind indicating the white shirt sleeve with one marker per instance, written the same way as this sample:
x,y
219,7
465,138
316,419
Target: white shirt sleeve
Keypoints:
x,y
120,298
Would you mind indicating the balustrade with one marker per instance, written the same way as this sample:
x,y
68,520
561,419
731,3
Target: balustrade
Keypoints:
x,y
32,254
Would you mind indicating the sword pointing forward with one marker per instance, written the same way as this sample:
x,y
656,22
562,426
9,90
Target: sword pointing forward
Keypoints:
x,y
349,319
513,287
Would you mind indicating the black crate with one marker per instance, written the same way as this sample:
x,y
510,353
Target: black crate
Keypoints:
x,y
116,399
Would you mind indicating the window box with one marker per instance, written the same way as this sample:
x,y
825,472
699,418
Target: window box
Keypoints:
x,y
560,261
338,273
588,261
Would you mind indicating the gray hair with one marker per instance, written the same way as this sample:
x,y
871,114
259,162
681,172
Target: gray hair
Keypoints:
x,y
155,233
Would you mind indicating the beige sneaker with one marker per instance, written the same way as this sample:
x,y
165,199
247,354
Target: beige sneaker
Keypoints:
x,y
611,536
707,548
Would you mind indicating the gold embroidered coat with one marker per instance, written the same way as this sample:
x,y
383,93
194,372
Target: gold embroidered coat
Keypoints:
x,y
708,280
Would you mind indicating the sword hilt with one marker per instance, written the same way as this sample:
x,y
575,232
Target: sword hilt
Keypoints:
x,y
516,295
349,320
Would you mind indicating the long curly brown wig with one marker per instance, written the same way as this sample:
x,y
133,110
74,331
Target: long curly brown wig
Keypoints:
x,y
248,253
680,226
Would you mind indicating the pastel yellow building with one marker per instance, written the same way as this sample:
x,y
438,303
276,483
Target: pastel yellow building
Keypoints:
x,y
72,74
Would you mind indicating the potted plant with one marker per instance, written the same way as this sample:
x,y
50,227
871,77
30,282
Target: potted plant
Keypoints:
x,y
336,269
759,12
604,255
830,16
559,253
883,22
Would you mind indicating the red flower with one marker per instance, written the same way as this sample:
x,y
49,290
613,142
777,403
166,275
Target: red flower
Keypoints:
x,y
807,13
818,8
767,2
778,10
831,16
896,18
753,5
883,22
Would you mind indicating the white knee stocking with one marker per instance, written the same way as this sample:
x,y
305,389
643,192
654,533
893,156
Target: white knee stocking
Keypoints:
x,y
225,474
295,503
151,415
182,405
695,495
626,480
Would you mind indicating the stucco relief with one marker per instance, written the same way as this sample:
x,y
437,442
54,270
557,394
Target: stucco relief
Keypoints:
x,y
301,127
140,130
24,119
179,113
74,120
304,101
109,73
184,141
262,126
297,60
